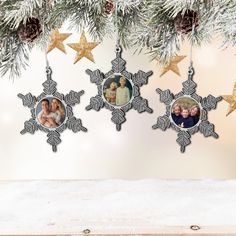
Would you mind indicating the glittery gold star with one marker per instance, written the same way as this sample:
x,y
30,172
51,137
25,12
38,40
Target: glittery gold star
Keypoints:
x,y
56,40
83,48
173,65
231,99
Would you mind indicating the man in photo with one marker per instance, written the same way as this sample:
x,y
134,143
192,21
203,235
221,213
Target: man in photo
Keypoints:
x,y
45,116
122,93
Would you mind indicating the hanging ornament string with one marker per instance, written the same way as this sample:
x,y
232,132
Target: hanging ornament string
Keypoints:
x,y
48,68
191,47
118,49
47,62
191,70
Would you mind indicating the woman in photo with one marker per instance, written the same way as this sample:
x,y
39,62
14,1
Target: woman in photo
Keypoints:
x,y
122,93
58,110
195,114
176,113
111,93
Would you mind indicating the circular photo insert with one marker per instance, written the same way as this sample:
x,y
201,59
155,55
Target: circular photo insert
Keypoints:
x,y
185,112
117,90
50,112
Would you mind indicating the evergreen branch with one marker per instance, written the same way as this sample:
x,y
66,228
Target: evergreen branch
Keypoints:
x,y
146,25
226,21
15,56
22,10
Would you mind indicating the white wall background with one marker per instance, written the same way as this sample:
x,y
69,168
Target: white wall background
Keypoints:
x,y
135,152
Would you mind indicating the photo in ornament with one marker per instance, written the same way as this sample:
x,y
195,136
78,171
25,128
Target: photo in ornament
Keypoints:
x,y
117,90
50,112
190,102
110,92
185,112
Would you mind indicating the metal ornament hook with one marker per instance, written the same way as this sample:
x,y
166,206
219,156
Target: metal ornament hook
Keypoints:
x,y
48,68
118,49
190,70
49,73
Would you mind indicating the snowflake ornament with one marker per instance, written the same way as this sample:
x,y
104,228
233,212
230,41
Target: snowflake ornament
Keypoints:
x,y
119,90
52,111
186,112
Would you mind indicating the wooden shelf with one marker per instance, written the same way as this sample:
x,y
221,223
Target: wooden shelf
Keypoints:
x,y
118,207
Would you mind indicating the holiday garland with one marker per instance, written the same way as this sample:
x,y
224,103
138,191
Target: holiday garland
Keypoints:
x,y
155,26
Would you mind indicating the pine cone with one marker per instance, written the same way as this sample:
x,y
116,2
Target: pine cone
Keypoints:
x,y
29,31
184,22
109,7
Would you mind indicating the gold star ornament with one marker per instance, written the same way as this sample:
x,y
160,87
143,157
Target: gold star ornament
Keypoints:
x,y
83,48
56,40
231,99
172,65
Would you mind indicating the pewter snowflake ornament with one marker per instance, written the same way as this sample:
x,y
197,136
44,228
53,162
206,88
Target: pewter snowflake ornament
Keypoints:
x,y
118,90
187,112
52,112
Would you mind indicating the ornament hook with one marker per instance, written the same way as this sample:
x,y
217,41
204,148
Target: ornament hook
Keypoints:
x,y
48,68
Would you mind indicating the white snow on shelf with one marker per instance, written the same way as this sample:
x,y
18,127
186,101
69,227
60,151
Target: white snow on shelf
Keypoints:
x,y
40,207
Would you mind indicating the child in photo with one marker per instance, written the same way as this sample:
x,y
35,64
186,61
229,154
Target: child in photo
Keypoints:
x,y
186,121
176,113
122,93
195,114
111,93
45,116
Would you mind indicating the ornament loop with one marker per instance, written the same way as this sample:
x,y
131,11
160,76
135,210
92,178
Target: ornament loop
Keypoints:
x,y
86,231
118,49
195,227
48,70
190,71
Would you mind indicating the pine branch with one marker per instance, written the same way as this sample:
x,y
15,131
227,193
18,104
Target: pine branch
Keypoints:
x,y
156,33
226,21
146,25
20,11
14,56
128,17
82,14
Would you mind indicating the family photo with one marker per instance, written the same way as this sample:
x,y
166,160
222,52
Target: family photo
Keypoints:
x,y
185,112
50,112
117,90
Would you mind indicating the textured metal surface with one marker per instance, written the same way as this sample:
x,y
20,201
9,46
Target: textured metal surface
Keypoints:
x,y
137,80
70,122
206,104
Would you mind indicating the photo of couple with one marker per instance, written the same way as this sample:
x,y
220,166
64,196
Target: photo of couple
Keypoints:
x,y
50,112
117,90
185,113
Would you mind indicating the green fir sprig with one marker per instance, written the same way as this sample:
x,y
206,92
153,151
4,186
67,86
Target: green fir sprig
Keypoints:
x,y
144,25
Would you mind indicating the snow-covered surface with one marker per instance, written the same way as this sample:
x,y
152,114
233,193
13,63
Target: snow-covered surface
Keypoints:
x,y
109,206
